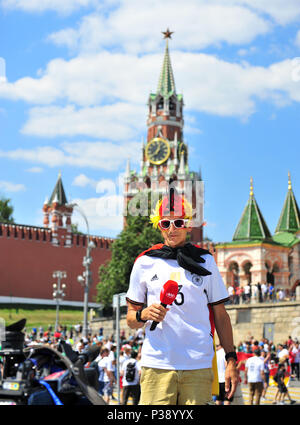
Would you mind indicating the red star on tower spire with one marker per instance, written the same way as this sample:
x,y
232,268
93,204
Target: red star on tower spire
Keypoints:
x,y
168,33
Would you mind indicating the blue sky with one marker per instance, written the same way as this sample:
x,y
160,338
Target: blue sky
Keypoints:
x,y
75,76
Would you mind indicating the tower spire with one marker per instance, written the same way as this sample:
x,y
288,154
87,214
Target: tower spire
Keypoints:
x,y
289,220
166,83
59,193
252,225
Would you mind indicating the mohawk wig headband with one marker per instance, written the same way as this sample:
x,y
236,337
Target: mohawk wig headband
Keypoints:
x,y
171,204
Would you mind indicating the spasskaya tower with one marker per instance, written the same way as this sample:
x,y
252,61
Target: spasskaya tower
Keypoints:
x,y
164,156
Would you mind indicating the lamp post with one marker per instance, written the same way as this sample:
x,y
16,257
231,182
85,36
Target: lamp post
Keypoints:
x,y
86,278
58,292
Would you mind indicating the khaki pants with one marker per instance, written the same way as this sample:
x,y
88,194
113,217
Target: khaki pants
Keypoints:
x,y
176,387
255,389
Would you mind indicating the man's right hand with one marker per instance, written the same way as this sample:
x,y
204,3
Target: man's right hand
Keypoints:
x,y
155,312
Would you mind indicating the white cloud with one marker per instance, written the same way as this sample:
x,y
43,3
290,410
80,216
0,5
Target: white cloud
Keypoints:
x,y
89,80
213,86
82,181
120,121
11,187
35,170
64,7
136,26
97,155
282,12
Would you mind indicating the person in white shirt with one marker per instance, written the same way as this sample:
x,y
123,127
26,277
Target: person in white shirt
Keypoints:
x,y
283,353
247,293
264,291
281,294
221,363
177,356
131,385
106,375
255,376
231,293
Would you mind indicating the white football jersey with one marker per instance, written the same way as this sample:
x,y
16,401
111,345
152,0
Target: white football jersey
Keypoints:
x,y
183,340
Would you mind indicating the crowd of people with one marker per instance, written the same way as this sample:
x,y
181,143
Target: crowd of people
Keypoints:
x,y
260,362
264,292
264,364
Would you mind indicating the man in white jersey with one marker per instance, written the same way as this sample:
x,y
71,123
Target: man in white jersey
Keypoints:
x,y
177,356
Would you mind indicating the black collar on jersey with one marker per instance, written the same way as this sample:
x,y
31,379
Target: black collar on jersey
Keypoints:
x,y
187,256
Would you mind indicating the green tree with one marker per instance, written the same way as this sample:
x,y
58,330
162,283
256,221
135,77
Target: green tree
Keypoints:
x,y
136,237
74,229
6,211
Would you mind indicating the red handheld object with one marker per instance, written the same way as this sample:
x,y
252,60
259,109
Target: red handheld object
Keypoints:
x,y
168,294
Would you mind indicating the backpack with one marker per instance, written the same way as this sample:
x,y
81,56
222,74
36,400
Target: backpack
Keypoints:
x,y
130,372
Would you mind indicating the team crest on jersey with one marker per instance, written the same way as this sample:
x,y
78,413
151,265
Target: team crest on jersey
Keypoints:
x,y
197,280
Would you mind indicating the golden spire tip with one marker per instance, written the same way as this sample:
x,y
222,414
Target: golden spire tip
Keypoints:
x,y
251,186
290,182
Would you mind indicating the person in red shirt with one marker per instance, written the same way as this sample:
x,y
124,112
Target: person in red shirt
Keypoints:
x,y
255,346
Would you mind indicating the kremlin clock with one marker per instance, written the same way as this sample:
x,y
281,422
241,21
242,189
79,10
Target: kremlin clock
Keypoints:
x,y
157,150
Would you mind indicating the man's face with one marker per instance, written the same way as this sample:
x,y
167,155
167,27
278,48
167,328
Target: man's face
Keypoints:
x,y
174,237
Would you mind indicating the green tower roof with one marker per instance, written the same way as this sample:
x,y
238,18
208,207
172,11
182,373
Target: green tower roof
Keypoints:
x,y
166,83
289,220
252,225
58,193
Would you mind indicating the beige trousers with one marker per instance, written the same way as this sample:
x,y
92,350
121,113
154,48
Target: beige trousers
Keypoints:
x,y
176,387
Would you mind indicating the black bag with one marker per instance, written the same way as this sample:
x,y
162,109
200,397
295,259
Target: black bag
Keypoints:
x,y
130,372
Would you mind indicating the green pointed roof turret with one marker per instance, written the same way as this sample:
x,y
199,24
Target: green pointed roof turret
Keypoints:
x,y
166,83
289,220
58,193
252,225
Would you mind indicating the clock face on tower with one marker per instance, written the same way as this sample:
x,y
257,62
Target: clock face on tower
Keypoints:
x,y
157,150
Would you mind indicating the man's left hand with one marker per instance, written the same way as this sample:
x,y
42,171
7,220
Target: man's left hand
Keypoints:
x,y
231,378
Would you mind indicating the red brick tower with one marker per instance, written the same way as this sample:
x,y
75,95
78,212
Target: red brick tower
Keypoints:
x,y
60,211
164,158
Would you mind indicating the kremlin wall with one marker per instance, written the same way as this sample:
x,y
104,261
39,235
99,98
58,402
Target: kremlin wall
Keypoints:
x,y
30,255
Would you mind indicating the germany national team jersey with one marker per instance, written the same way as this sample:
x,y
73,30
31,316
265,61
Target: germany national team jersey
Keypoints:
x,y
184,339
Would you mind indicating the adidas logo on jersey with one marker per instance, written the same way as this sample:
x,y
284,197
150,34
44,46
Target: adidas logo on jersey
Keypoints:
x,y
154,278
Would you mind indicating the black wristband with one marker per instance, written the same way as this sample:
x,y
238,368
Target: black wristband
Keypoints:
x,y
138,316
231,355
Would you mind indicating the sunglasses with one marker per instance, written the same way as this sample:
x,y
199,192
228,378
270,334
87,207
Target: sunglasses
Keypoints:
x,y
178,223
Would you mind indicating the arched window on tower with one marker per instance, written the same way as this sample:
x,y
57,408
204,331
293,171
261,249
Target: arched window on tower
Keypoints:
x,y
172,108
160,105
234,274
247,271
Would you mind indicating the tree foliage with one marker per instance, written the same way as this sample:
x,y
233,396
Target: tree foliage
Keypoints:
x,y
6,211
136,237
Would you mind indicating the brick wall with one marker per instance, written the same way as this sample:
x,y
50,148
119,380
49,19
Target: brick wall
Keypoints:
x,y
28,258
